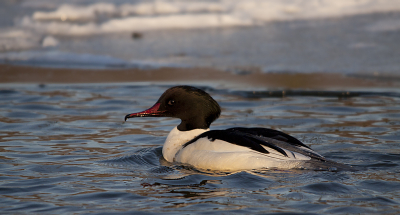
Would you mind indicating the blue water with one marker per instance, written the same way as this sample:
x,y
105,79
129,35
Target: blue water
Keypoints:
x,y
66,149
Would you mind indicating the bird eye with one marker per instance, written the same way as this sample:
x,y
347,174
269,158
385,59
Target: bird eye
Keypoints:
x,y
171,102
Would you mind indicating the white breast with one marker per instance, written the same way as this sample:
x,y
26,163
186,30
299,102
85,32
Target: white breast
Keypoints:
x,y
176,139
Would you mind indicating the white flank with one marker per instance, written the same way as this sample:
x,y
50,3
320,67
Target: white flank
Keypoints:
x,y
223,156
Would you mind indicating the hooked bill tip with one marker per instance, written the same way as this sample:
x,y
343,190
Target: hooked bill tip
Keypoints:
x,y
153,111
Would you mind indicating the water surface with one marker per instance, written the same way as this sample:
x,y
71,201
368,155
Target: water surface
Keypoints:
x,y
66,149
341,36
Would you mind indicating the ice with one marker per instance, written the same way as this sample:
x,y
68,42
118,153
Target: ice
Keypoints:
x,y
180,21
60,28
290,9
173,21
98,18
278,35
74,12
18,39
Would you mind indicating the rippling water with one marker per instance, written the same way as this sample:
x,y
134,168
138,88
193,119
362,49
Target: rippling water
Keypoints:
x,y
66,149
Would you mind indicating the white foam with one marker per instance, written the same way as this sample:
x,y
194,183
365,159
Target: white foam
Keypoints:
x,y
18,39
49,41
310,9
173,21
98,18
74,13
60,28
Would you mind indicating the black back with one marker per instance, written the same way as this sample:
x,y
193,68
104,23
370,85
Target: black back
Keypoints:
x,y
238,138
256,138
270,133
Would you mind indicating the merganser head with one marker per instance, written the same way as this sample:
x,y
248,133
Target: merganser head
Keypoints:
x,y
196,108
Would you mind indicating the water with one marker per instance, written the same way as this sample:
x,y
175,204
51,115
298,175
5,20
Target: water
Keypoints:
x,y
66,149
343,36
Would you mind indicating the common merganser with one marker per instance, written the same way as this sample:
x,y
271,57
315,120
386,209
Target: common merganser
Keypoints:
x,y
234,149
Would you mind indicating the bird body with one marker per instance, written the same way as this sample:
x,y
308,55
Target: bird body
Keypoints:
x,y
193,143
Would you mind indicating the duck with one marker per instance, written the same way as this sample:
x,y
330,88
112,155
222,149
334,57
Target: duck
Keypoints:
x,y
192,142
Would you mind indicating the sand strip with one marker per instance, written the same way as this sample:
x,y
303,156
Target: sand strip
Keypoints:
x,y
28,74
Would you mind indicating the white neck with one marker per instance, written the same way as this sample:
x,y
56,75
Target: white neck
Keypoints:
x,y
176,139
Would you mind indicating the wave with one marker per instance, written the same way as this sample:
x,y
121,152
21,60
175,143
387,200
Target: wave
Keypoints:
x,y
51,32
98,18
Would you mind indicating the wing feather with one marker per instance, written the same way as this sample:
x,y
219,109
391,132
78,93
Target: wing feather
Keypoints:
x,y
240,139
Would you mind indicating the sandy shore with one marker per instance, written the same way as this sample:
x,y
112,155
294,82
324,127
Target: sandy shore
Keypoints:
x,y
28,74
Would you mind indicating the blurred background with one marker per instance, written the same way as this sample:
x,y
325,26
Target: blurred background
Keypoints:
x,y
358,37
324,71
